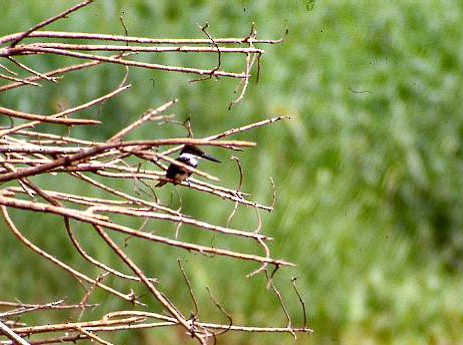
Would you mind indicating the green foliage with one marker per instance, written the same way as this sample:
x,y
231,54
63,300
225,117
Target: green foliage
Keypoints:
x,y
368,171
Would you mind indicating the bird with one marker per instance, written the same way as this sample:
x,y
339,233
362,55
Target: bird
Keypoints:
x,y
189,155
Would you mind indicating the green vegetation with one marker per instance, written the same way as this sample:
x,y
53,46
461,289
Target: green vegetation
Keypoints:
x,y
368,171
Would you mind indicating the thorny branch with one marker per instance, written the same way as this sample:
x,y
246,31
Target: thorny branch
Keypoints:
x,y
28,151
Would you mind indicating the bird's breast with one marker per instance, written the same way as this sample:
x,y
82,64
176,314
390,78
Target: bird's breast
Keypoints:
x,y
189,159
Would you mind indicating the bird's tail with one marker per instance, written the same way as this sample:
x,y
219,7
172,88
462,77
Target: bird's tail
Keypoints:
x,y
160,184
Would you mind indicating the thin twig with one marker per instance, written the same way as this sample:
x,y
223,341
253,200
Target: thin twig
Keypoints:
x,y
48,21
222,310
19,81
28,69
304,314
149,115
190,289
280,300
238,188
93,336
219,60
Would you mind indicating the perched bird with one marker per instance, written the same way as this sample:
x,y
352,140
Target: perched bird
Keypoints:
x,y
190,155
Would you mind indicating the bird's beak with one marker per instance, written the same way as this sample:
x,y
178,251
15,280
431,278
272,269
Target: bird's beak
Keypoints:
x,y
209,157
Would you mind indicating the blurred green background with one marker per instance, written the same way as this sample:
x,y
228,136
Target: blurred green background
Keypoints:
x,y
368,171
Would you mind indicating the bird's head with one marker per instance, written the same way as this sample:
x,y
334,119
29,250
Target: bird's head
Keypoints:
x,y
194,150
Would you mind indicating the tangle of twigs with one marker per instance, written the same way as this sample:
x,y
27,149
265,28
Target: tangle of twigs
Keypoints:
x,y
27,151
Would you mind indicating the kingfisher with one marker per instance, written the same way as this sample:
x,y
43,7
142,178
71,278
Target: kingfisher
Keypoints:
x,y
190,155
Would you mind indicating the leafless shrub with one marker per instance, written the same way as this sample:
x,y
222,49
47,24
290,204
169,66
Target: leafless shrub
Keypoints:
x,y
27,152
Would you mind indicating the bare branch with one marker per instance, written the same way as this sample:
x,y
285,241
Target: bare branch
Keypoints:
x,y
11,334
57,262
19,81
52,73
63,52
49,21
44,118
57,117
87,153
126,48
25,67
100,221
141,40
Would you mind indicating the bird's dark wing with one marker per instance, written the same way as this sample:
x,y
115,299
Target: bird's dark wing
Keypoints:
x,y
173,169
